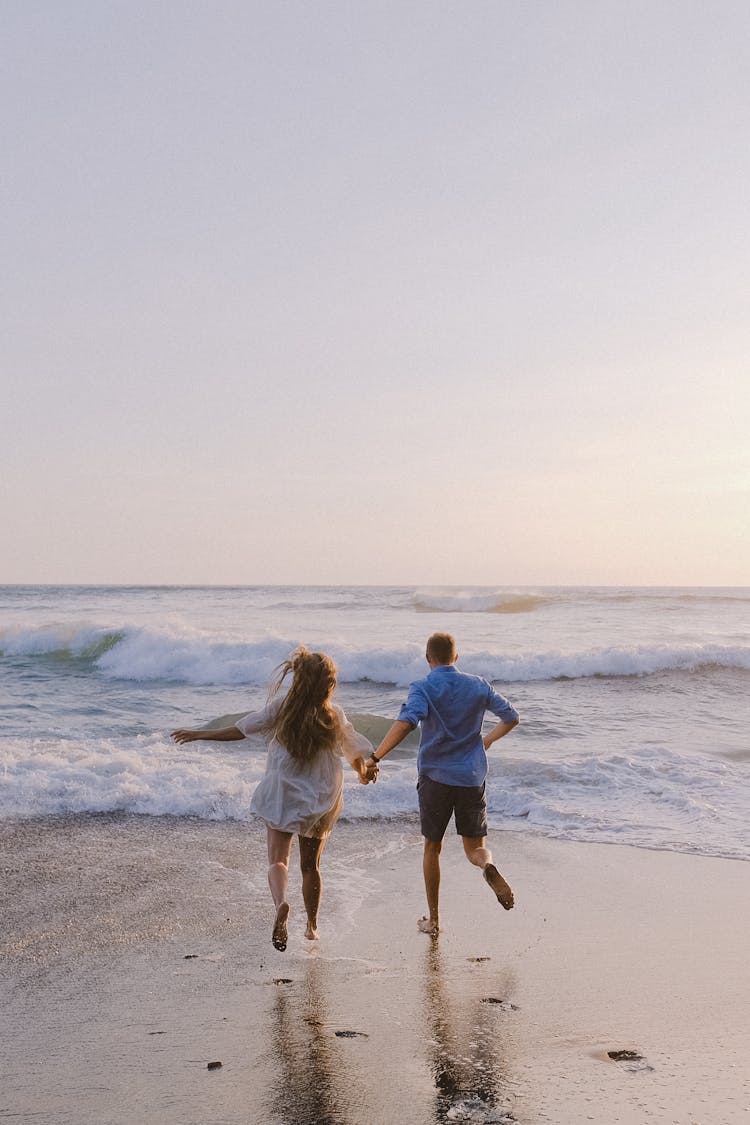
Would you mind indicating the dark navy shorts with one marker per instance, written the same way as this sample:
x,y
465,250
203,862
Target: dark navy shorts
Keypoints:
x,y
438,803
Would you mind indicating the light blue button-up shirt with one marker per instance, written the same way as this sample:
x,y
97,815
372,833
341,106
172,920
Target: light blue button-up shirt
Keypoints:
x,y
450,706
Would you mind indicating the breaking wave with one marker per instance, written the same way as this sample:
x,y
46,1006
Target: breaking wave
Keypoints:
x,y
652,797
192,657
472,601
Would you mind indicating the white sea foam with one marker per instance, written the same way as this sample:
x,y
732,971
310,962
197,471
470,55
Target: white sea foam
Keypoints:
x,y
182,655
143,775
652,798
79,663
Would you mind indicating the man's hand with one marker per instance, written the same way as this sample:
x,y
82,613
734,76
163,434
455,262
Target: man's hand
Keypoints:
x,y
498,731
366,770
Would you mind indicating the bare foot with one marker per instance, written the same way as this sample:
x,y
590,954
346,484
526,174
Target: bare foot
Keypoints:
x,y
500,887
311,932
427,926
278,938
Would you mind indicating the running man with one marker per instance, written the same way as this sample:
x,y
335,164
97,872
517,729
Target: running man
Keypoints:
x,y
452,764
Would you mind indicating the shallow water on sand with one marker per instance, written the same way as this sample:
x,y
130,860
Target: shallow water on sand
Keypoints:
x,y
144,955
136,950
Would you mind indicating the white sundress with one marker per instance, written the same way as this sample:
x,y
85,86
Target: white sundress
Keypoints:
x,y
303,797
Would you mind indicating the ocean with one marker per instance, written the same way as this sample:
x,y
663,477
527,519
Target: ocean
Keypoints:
x,y
635,702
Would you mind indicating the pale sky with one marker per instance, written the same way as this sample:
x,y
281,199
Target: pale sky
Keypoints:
x,y
375,292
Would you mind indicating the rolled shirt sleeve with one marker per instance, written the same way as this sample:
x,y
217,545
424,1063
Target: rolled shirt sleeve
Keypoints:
x,y
501,707
416,707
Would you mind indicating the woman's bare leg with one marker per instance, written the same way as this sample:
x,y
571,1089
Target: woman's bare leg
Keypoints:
x,y
310,851
279,850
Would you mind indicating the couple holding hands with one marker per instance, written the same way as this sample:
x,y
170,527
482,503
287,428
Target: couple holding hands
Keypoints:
x,y
302,790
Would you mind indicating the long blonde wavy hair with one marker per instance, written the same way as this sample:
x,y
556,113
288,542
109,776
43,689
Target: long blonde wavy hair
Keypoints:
x,y
306,722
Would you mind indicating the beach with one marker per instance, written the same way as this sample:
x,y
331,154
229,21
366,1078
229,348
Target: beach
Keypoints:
x,y
385,361
136,951
135,917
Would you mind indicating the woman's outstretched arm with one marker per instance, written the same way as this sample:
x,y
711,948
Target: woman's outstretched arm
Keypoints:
x,y
224,734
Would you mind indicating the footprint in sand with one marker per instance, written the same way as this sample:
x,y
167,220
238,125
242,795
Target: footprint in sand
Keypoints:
x,y
470,1108
630,1060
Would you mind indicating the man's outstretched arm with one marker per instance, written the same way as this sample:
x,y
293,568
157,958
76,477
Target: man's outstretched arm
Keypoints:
x,y
416,710
396,734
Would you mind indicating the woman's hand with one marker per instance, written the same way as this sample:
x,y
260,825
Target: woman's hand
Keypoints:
x,y
209,734
366,772
186,735
370,771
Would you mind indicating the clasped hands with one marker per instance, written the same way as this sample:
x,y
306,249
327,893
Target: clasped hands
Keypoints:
x,y
368,771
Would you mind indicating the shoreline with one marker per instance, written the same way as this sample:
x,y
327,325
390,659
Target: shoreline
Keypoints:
x,y
136,950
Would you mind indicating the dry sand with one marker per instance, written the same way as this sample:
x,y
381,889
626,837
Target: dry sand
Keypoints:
x,y
135,951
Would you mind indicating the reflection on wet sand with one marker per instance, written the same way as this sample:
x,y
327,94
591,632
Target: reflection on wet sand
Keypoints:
x,y
309,1089
465,1052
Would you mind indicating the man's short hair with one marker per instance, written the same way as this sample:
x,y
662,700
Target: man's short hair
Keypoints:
x,y
441,648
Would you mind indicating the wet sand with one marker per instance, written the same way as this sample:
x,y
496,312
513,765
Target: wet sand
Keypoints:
x,y
134,951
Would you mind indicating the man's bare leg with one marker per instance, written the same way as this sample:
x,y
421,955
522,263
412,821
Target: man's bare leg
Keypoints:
x,y
310,851
279,850
480,855
431,871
